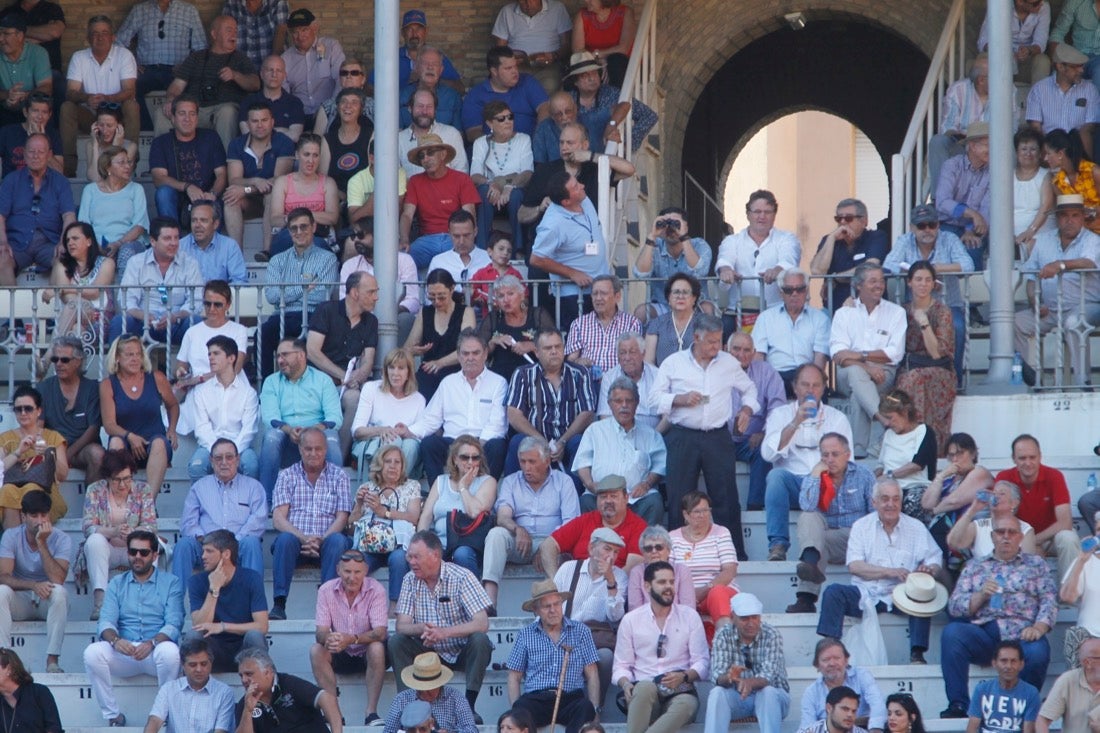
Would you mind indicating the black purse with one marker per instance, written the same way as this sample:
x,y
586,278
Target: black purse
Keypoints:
x,y
466,531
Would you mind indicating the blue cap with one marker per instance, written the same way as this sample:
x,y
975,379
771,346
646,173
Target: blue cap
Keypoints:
x,y
414,16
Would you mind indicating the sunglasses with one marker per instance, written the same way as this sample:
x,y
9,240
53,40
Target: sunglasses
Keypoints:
x,y
792,289
350,72
652,548
469,456
133,551
36,204
927,225
214,304
20,409
163,294
662,646
504,118
160,30
61,359
298,227
354,555
846,218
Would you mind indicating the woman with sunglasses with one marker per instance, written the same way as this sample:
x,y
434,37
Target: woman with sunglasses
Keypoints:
x,y
466,486
902,714
25,447
434,334
1065,157
656,545
116,206
501,165
511,326
673,331
352,76
307,187
113,508
77,277
130,399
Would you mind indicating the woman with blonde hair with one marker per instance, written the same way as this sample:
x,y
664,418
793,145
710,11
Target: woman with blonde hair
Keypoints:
x,y
384,405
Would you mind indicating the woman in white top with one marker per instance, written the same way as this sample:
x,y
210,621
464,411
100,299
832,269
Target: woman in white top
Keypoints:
x,y
1032,192
383,405
908,446
501,165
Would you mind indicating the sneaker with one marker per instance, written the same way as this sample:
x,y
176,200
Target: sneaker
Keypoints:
x,y
810,573
491,611
916,656
954,710
277,613
119,722
373,721
777,553
802,605
261,257
54,668
478,720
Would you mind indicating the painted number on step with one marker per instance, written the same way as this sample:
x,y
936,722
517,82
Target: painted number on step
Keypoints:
x,y
85,693
506,637
905,686
794,581
1061,405
496,690
746,531
19,641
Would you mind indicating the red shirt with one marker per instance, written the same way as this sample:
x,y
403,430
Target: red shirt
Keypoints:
x,y
436,199
573,536
1037,502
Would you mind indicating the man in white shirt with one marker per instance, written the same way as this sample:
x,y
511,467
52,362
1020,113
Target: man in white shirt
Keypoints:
x,y
538,32
464,258
422,106
883,549
757,251
693,390
791,439
866,342
470,402
225,406
632,364
104,73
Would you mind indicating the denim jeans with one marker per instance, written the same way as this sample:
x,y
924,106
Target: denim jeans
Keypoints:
x,y
135,325
780,497
758,471
725,704
286,550
199,465
839,601
427,246
397,565
279,451
963,643
486,212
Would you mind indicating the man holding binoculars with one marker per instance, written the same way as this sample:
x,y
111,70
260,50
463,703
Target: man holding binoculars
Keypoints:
x,y
667,250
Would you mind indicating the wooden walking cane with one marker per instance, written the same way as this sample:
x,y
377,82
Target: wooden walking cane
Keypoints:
x,y
561,684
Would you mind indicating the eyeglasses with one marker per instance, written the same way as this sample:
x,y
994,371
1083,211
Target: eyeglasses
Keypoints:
x,y
351,72
927,225
144,552
792,289
36,204
20,409
426,153
62,359
468,456
761,212
662,646
214,304
846,218
160,30
121,479
652,548
504,118
681,293
1006,532
298,228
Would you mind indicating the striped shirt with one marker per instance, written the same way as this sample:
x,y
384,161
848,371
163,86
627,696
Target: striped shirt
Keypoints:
x,y
539,657
1054,109
908,546
852,500
457,596
365,613
551,411
706,557
166,38
313,507
962,107
592,341
290,273
1033,30
961,187
256,31
185,709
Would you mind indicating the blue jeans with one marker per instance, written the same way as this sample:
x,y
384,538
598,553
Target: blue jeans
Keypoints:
x,y
468,558
1092,68
964,643
153,78
199,465
780,497
279,451
958,321
397,565
286,550
758,471
187,556
427,246
486,212
769,705
839,601
135,325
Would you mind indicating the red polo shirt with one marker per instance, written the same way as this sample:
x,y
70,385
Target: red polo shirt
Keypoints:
x,y
573,537
1037,502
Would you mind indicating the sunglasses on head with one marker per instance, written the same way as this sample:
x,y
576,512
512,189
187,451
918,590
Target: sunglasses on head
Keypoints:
x,y
354,555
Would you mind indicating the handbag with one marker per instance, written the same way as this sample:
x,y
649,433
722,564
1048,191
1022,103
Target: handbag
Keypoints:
x,y
39,469
374,535
603,632
924,361
466,531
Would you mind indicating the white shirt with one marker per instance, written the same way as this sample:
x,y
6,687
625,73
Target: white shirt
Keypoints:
x,y
382,408
591,601
452,263
1088,585
748,259
406,141
644,413
501,159
801,453
461,409
909,546
680,373
225,412
854,329
105,78
193,349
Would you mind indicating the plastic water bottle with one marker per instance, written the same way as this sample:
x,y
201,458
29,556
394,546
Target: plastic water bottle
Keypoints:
x,y
997,602
1091,484
1017,369
811,407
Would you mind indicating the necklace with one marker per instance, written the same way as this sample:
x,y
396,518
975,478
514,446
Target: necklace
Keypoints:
x,y
680,332
501,164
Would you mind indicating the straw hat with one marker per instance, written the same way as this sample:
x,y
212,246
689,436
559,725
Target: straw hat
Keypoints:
x,y
541,589
920,595
426,673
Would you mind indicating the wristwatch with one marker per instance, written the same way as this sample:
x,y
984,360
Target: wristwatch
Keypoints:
x,y
863,356
1062,265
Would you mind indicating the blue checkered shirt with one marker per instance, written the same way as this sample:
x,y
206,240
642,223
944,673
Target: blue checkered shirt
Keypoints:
x,y
450,711
313,507
852,501
256,33
539,657
464,597
763,657
181,27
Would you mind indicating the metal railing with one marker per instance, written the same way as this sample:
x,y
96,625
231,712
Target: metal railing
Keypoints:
x,y
701,206
908,176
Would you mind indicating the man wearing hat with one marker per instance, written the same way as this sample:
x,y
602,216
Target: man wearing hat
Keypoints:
x,y
521,92
312,62
1065,100
414,33
1076,20
965,102
1071,246
928,240
962,192
538,33
602,121
1007,595
884,550
426,696
542,649
26,68
748,670
430,199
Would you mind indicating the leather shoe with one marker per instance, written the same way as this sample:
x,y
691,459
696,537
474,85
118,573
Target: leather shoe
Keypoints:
x,y
119,722
916,656
802,606
810,573
777,553
954,710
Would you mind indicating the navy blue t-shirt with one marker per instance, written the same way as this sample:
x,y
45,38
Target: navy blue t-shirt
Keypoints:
x,y
281,147
13,138
872,244
238,600
192,162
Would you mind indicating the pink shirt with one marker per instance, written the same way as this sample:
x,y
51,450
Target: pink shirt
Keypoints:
x,y
636,646
706,557
368,610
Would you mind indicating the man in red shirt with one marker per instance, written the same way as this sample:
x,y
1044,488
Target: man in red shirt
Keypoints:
x,y
1044,501
613,512
431,198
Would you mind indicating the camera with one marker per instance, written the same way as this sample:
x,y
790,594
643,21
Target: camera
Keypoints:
x,y
673,224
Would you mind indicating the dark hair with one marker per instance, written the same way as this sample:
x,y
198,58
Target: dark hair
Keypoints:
x,y
224,441
693,499
220,287
556,186
297,213
36,502
423,90
651,570
909,705
206,202
497,236
673,210
259,104
67,260
25,390
309,137
297,342
962,441
762,195
461,216
823,645
222,540
1069,143
1022,437
696,287
195,645
348,92
144,534
1009,644
494,108
429,538
808,365
104,109
185,97
11,661
544,332
160,223
226,344
40,98
497,54
116,461
839,693
917,267
1025,134
471,333
439,276
521,718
